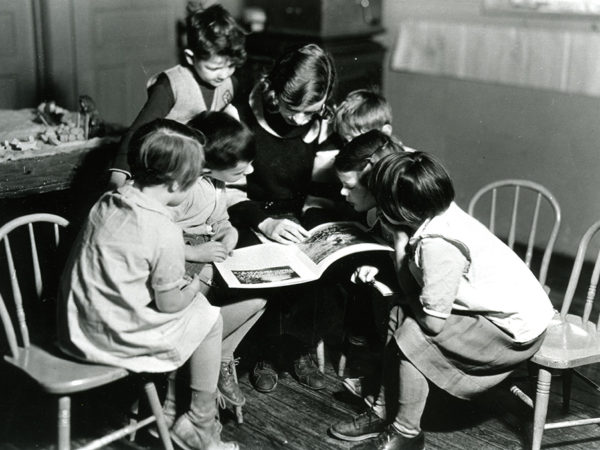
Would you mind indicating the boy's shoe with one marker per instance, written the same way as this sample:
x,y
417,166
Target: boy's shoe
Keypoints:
x,y
228,385
307,372
364,426
390,439
263,377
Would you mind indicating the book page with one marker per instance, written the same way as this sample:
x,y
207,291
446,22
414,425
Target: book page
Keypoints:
x,y
266,265
330,241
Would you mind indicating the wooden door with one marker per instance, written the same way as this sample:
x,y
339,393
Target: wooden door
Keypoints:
x,y
107,49
18,68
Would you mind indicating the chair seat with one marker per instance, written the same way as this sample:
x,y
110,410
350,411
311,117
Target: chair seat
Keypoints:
x,y
59,375
569,343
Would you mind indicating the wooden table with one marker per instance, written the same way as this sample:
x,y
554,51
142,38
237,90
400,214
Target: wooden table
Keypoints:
x,y
78,164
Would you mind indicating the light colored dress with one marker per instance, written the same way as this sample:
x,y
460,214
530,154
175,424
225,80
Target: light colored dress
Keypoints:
x,y
128,249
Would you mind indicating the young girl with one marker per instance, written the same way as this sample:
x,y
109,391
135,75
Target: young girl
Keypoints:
x,y
285,112
473,310
124,301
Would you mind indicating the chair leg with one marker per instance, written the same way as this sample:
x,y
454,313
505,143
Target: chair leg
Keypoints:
x,y
157,411
64,423
541,407
133,414
567,377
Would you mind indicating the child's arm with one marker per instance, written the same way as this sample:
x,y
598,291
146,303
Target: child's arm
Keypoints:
x,y
443,266
159,103
176,299
211,251
227,235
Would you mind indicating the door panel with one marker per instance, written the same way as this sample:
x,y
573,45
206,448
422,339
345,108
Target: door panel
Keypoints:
x,y
18,69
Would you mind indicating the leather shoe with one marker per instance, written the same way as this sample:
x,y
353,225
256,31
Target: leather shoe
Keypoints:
x,y
308,373
390,439
263,377
364,426
228,385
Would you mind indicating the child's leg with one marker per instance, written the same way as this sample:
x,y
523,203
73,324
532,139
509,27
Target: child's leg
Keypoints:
x,y
200,427
412,396
238,319
206,359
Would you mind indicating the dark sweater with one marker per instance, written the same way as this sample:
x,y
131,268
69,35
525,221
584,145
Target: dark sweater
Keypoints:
x,y
282,170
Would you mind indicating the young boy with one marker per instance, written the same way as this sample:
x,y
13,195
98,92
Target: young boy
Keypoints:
x,y
215,48
229,150
362,110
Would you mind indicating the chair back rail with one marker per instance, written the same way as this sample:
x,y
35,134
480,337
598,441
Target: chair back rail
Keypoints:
x,y
541,193
576,272
17,295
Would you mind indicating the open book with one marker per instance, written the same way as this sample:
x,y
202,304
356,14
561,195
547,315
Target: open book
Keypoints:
x,y
271,264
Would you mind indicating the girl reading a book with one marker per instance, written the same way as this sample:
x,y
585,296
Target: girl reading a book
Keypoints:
x,y
285,111
124,300
472,310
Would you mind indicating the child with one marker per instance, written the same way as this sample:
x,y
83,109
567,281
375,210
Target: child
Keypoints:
x,y
285,112
361,110
229,150
215,48
124,301
353,165
473,310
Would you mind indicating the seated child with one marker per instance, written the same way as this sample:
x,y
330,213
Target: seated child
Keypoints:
x,y
123,297
229,150
473,309
215,48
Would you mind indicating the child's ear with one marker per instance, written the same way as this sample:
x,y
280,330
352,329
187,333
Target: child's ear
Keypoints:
x,y
387,129
174,186
189,56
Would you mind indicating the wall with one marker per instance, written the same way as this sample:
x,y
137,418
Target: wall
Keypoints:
x,y
486,131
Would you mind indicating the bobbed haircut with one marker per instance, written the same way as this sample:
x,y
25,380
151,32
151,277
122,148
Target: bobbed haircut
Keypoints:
x,y
411,187
362,110
300,78
214,32
228,141
362,152
164,151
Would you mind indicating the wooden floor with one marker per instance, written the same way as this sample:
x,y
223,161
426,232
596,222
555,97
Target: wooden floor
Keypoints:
x,y
295,417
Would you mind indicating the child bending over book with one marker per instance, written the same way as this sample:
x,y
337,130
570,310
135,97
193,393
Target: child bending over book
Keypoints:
x,y
473,310
353,165
202,215
123,297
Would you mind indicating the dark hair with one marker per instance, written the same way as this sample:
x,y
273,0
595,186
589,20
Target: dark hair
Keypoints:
x,y
362,110
411,187
365,150
164,151
228,141
300,78
214,31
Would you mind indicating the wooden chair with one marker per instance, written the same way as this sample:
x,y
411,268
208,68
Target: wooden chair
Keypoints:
x,y
571,341
524,193
54,373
